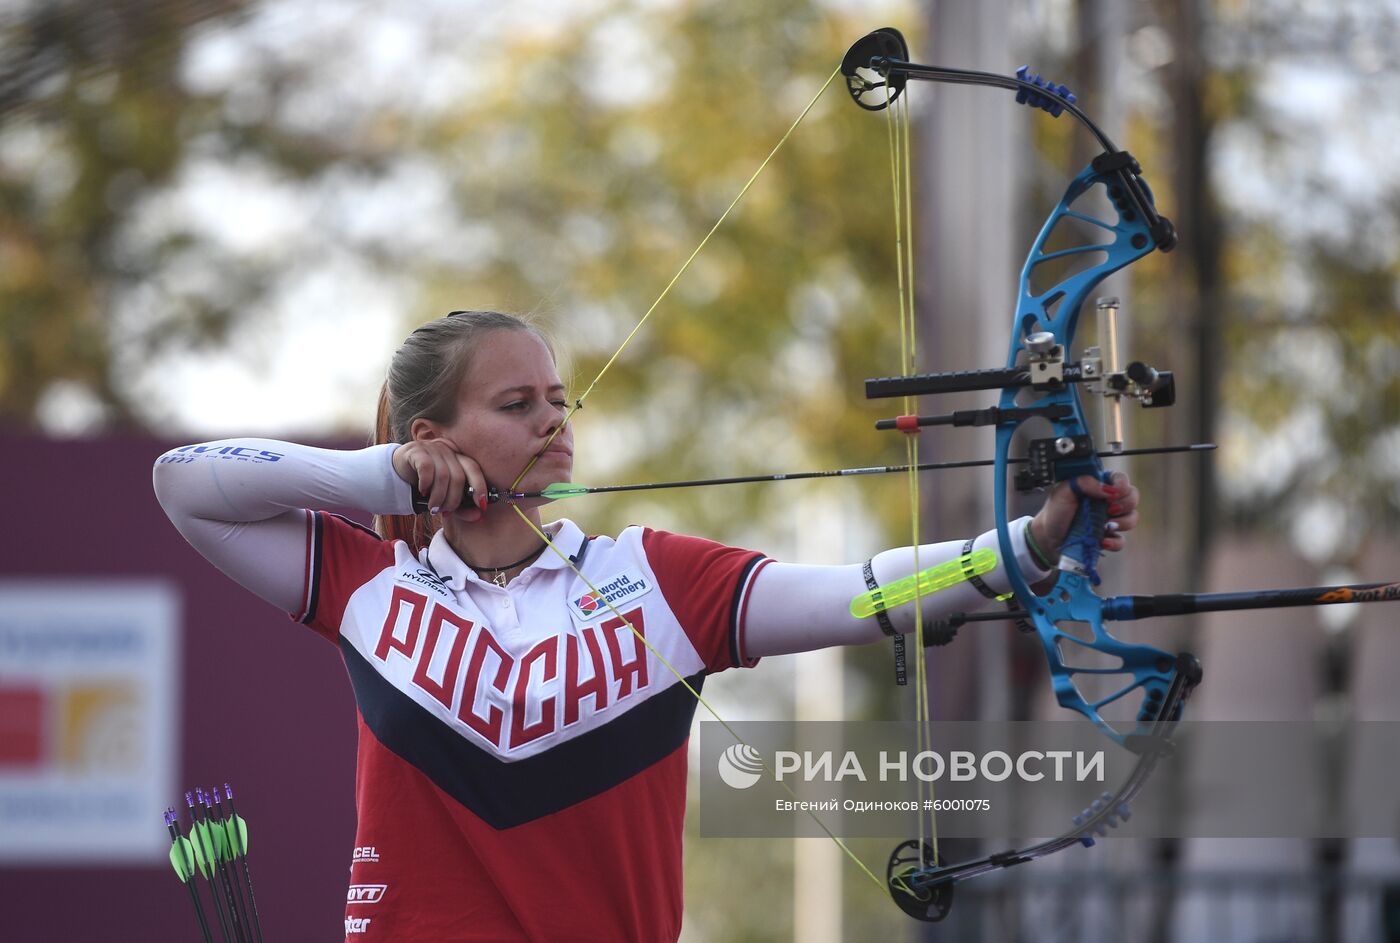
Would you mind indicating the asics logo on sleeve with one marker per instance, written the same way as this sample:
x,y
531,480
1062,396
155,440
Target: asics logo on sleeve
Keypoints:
x,y
240,453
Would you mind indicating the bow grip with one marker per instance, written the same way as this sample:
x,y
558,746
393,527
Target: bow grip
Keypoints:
x,y
1084,542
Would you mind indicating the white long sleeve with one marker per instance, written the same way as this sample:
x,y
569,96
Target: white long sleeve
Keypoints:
x,y
240,503
799,608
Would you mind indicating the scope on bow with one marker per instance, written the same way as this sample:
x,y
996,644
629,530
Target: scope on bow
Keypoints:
x,y
1045,366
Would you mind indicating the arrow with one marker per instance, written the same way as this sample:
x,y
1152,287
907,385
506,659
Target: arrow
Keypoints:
x,y
238,838
235,842
184,861
215,841
204,856
564,489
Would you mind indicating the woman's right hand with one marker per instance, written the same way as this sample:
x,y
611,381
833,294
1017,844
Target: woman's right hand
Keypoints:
x,y
442,474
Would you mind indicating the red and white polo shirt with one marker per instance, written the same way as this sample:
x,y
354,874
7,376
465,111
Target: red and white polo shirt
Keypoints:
x,y
522,755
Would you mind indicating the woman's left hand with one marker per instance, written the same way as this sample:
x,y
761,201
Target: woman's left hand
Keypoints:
x,y
1049,527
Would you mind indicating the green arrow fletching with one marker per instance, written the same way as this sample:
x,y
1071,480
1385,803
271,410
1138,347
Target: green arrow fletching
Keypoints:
x,y
924,583
221,849
203,844
183,858
562,489
236,835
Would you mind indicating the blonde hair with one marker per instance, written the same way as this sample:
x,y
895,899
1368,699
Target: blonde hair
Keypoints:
x,y
424,377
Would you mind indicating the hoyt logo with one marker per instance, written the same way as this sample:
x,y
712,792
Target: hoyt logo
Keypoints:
x,y
366,893
624,587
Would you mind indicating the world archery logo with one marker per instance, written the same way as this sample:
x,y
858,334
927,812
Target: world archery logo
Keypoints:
x,y
602,596
740,766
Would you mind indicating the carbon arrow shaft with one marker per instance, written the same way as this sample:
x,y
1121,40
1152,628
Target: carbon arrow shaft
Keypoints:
x,y
242,856
573,490
180,846
566,490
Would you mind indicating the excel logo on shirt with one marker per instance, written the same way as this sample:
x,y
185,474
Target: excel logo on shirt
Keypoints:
x,y
613,591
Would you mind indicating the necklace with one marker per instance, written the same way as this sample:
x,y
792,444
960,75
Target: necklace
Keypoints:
x,y
499,572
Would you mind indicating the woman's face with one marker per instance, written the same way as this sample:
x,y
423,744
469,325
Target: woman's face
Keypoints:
x,y
508,407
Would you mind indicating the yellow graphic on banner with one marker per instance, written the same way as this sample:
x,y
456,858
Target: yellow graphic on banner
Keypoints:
x,y
99,728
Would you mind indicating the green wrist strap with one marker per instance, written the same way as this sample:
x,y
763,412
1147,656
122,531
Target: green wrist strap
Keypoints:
x,y
1036,553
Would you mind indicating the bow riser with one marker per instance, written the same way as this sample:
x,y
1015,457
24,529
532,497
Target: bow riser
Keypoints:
x,y
1055,311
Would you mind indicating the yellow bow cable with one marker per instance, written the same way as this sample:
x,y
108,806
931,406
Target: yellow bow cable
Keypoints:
x,y
578,404
899,156
897,122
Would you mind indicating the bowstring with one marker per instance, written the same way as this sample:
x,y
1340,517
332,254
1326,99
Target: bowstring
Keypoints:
x,y
901,186
578,404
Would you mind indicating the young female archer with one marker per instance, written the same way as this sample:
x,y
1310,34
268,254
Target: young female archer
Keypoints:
x,y
522,753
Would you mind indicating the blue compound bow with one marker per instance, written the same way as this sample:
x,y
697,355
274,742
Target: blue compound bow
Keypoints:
x,y
1040,382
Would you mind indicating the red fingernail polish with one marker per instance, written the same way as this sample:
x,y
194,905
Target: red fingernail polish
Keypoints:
x,y
1115,509
1110,490
481,502
1104,543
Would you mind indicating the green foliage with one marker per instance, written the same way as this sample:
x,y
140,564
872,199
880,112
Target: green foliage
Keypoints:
x,y
92,119
601,179
1311,386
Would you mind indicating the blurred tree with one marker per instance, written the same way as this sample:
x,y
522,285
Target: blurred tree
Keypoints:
x,y
599,165
90,120
579,166
1310,390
